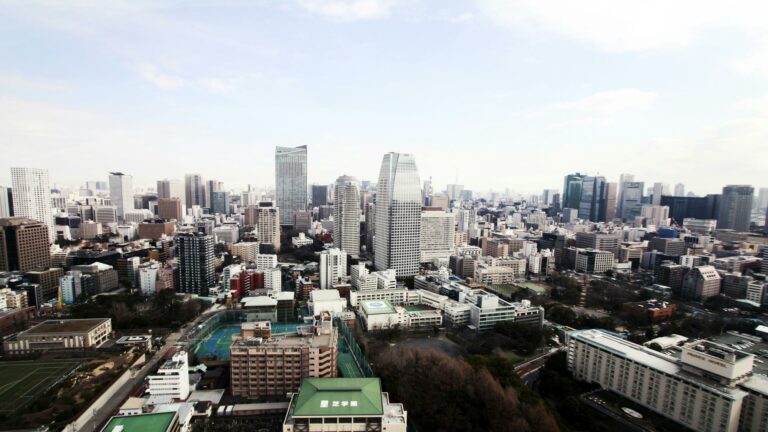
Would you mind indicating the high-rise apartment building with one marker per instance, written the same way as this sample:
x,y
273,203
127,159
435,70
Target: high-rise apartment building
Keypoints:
x,y
398,215
121,193
735,207
436,244
197,272
268,224
32,196
346,215
23,245
333,266
194,189
290,181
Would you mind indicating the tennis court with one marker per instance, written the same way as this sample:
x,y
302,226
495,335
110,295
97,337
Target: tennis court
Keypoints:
x,y
23,381
217,343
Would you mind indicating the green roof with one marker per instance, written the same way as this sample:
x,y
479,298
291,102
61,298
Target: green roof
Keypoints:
x,y
158,422
339,397
375,307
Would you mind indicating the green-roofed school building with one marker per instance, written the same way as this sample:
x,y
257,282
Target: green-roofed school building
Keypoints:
x,y
156,422
343,404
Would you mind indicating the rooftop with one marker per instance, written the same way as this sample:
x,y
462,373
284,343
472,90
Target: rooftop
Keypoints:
x,y
158,422
65,326
377,307
339,397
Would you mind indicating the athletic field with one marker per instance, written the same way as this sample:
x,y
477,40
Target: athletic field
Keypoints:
x,y
22,381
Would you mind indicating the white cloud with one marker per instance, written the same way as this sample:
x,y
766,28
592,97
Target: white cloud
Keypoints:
x,y
610,102
629,25
755,64
12,81
161,80
349,10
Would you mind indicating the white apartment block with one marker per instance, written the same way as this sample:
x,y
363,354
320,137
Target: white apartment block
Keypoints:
x,y
148,278
333,266
436,244
229,234
32,196
710,387
266,261
172,378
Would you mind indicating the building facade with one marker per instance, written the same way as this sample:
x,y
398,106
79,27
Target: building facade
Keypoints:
x,y
290,181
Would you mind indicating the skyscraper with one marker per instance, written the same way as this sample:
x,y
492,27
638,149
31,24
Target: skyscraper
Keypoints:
x,y
632,200
197,273
211,187
624,178
572,190
398,215
121,193
607,211
679,189
591,197
346,215
762,198
735,207
659,189
194,188
319,195
32,196
290,181
5,202
172,189
23,245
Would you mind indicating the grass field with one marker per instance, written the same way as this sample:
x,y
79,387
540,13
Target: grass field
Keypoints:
x,y
22,381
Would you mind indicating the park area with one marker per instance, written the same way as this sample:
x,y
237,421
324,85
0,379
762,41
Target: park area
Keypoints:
x,y
22,381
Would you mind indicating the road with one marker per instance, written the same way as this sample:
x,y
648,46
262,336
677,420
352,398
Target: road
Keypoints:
x,y
528,371
103,413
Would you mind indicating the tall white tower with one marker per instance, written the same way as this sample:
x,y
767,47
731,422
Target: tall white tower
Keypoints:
x,y
346,215
121,193
32,196
398,215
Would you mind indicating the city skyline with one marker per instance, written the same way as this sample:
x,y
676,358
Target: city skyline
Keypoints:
x,y
475,81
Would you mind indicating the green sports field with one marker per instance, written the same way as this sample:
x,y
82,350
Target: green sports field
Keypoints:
x,y
22,381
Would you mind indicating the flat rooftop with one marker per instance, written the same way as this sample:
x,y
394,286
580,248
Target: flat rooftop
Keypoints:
x,y
283,340
748,344
377,307
65,326
339,397
159,422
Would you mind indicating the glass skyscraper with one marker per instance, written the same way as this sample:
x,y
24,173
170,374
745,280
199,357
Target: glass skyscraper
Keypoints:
x,y
290,181
398,215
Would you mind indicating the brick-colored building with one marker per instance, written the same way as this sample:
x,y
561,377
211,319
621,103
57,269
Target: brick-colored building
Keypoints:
x,y
24,245
262,365
48,279
655,310
169,209
155,229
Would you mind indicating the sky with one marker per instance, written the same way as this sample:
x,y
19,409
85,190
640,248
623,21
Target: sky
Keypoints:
x,y
492,94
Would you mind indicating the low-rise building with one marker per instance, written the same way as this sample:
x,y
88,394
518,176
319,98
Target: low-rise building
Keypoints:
x,y
343,404
172,378
60,335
